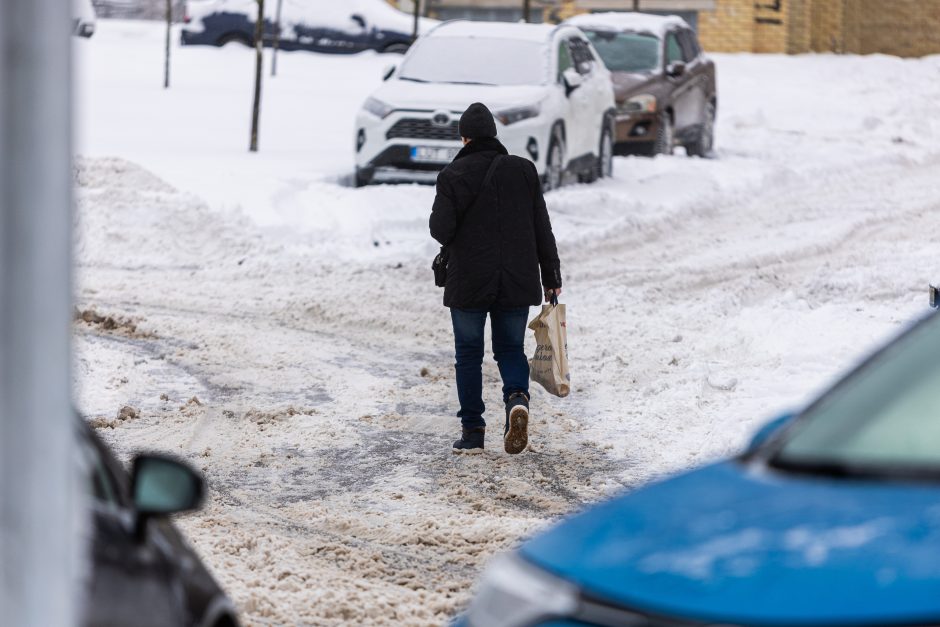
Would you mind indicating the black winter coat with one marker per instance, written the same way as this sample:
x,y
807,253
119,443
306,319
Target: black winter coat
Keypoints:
x,y
496,249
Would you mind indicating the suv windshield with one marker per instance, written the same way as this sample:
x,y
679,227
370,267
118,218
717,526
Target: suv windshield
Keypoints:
x,y
882,421
476,61
626,52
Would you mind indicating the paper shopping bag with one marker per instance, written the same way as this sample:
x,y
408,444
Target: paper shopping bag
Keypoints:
x,y
549,366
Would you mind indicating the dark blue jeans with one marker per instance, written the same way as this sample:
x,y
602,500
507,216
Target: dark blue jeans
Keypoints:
x,y
508,326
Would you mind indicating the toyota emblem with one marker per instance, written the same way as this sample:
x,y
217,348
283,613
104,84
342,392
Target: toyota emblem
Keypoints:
x,y
440,118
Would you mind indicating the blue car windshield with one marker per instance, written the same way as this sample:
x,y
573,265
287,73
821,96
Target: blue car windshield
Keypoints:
x,y
884,419
626,52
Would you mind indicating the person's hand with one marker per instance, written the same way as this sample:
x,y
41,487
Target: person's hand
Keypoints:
x,y
550,292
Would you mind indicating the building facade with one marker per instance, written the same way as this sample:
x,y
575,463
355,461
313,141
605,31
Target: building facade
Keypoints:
x,y
906,28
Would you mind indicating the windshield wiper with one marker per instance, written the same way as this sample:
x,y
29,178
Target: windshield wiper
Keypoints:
x,y
827,468
468,83
414,80
832,468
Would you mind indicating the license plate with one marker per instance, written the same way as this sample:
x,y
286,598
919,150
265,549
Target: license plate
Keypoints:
x,y
433,154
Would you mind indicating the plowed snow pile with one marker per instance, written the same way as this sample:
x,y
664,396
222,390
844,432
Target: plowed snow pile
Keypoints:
x,y
289,341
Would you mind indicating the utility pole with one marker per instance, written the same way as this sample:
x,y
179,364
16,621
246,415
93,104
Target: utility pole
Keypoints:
x,y
166,57
39,513
256,105
526,11
414,33
277,37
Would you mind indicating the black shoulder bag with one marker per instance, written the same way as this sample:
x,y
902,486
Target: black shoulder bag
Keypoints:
x,y
439,265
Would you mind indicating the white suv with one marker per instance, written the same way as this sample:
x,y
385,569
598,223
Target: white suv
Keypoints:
x,y
551,96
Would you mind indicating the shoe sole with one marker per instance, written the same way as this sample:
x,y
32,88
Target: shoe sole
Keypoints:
x,y
517,438
468,451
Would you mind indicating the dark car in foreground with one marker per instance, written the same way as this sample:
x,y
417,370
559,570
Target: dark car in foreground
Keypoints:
x,y
830,518
142,572
665,85
347,27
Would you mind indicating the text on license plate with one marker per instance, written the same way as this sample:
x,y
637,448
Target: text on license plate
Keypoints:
x,y
433,154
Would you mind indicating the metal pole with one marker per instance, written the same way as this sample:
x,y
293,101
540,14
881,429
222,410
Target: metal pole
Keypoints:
x,y
525,11
277,37
166,58
256,103
38,514
414,34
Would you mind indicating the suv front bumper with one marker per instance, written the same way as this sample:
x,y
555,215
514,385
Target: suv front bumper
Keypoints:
x,y
384,147
636,132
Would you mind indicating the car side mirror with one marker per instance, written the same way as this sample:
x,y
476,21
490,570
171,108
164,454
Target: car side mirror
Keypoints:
x,y
675,69
572,80
358,19
768,431
388,71
161,486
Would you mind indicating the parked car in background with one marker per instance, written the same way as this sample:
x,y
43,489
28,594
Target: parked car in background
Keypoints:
x,y
83,18
142,572
664,83
831,517
318,25
549,92
131,9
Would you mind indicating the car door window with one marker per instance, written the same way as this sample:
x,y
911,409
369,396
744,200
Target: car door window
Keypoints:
x,y
99,483
564,59
689,47
673,49
581,55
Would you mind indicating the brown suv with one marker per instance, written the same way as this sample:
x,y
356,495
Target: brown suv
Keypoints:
x,y
663,82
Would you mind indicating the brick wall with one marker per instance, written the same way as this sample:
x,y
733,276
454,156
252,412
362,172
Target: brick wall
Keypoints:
x,y
729,28
907,28
799,26
752,26
828,24
771,19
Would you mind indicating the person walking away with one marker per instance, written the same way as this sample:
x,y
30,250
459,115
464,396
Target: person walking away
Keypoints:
x,y
490,215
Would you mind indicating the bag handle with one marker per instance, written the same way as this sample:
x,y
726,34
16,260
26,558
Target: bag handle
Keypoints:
x,y
554,300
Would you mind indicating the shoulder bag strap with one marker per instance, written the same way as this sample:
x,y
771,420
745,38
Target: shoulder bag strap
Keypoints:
x,y
486,182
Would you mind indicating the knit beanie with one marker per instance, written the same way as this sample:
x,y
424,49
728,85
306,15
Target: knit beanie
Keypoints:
x,y
477,122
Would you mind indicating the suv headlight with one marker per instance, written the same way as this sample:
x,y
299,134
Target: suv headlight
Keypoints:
x,y
516,114
644,103
514,593
377,108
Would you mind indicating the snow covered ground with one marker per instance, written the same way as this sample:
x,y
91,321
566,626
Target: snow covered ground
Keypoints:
x,y
281,329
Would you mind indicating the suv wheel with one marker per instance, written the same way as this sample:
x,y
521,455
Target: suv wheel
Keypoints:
x,y
664,135
233,38
705,141
603,162
554,165
363,177
605,153
398,48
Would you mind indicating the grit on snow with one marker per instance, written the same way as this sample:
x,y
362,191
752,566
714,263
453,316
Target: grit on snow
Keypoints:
x,y
281,329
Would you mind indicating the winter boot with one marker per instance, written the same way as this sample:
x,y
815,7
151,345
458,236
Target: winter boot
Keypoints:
x,y
471,441
516,436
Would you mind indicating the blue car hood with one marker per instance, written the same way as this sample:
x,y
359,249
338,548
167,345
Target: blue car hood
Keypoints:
x,y
732,544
